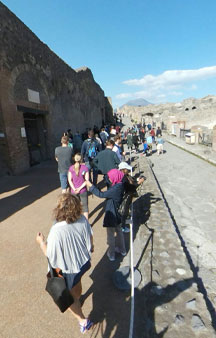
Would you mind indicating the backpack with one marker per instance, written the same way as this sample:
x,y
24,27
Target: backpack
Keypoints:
x,y
92,150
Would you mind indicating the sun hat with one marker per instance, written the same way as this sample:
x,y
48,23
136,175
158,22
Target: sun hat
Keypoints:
x,y
124,165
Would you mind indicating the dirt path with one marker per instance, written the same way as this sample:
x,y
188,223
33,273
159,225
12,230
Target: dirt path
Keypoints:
x,y
26,309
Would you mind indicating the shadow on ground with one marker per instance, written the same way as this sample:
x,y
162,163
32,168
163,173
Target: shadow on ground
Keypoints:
x,y
148,299
111,307
22,190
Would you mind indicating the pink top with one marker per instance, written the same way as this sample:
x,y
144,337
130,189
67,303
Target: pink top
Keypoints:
x,y
78,180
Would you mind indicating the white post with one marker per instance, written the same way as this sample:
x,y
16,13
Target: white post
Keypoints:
x,y
132,275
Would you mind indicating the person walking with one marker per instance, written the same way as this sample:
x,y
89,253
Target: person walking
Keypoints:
x,y
112,219
145,148
70,138
63,156
158,131
159,143
142,134
152,133
78,174
106,160
149,126
149,142
135,140
100,143
129,140
117,147
77,142
68,247
90,149
112,131
104,137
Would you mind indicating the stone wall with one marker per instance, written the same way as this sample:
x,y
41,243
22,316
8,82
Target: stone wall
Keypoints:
x,y
63,98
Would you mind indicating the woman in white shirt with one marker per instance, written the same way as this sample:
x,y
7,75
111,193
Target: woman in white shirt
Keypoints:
x,y
68,248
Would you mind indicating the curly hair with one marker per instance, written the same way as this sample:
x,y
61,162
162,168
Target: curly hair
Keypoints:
x,y
68,208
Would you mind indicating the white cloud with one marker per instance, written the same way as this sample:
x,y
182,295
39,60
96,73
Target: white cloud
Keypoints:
x,y
168,83
124,96
173,77
176,93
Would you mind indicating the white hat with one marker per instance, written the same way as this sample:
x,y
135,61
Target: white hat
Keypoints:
x,y
124,165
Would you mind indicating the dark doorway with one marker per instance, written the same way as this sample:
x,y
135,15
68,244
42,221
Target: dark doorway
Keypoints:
x,y
36,137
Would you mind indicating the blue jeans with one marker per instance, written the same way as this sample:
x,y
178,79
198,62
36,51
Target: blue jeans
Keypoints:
x,y
94,172
63,180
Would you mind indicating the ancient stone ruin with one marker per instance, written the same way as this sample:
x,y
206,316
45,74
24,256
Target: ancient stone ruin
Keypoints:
x,y
195,115
41,97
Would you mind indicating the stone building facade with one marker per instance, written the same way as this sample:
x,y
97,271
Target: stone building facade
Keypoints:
x,y
40,97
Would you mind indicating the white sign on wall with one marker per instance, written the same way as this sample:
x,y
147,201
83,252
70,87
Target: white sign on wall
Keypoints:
x,y
23,132
33,96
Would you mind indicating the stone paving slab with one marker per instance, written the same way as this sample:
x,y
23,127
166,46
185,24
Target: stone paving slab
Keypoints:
x,y
168,302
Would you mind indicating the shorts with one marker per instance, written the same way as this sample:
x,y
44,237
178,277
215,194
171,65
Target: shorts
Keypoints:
x,y
73,279
84,201
160,147
63,180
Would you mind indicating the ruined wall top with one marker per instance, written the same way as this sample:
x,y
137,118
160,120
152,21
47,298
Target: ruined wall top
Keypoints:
x,y
19,45
191,110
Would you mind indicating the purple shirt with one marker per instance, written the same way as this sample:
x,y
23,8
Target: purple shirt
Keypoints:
x,y
78,180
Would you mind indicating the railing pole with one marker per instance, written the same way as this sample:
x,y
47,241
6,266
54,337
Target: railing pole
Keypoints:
x,y
132,275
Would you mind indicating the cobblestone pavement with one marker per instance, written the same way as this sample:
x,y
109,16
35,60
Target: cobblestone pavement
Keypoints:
x,y
168,302
189,186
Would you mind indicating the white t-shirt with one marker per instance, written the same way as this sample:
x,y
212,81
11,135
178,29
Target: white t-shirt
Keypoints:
x,y
69,245
113,131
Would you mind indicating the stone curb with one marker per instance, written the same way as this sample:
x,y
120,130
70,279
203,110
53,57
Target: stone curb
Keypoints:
x,y
213,162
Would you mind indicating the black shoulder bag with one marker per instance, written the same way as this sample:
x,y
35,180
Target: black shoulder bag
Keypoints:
x,y
57,289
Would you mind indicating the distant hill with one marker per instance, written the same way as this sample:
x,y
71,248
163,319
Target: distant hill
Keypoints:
x,y
136,103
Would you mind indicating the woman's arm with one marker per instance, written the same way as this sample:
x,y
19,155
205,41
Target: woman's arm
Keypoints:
x,y
92,244
86,176
70,181
101,194
40,240
80,188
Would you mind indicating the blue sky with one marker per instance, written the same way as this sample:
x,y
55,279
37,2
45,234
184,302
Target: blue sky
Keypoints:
x,y
160,50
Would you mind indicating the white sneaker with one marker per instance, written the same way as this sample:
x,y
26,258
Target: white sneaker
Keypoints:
x,y
126,230
123,253
111,258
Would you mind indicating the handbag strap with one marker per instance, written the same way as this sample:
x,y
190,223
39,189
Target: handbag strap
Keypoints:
x,y
58,272
50,268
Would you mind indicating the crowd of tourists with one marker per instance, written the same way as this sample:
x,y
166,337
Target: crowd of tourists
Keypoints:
x,y
81,159
145,135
